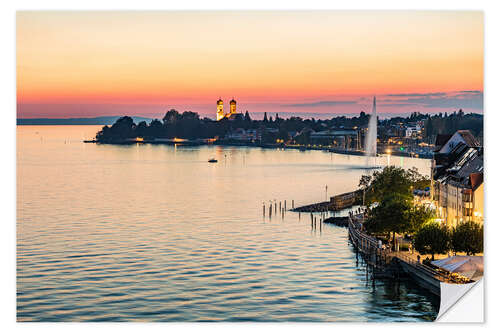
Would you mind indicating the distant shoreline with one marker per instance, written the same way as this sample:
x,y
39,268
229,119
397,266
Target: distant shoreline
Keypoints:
x,y
247,144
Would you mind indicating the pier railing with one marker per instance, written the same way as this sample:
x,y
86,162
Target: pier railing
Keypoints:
x,y
380,257
421,267
375,255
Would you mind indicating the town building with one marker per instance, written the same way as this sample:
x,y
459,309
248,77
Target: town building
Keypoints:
x,y
240,134
344,138
457,178
232,114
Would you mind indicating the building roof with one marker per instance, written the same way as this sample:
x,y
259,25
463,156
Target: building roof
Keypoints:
x,y
475,179
467,171
235,116
333,133
469,139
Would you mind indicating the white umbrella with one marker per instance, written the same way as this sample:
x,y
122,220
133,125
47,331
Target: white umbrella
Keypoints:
x,y
468,266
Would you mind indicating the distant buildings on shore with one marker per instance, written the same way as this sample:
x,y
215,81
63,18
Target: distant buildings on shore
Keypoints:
x,y
457,178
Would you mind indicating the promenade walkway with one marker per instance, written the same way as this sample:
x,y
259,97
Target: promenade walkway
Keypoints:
x,y
384,259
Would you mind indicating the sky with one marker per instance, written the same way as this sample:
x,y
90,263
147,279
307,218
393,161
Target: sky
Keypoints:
x,y
88,64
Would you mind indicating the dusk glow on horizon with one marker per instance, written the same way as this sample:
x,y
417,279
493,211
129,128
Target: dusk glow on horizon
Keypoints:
x,y
88,64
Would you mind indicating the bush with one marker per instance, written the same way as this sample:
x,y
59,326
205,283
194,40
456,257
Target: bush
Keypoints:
x,y
432,238
467,237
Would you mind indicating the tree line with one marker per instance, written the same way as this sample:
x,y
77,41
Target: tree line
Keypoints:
x,y
466,237
189,125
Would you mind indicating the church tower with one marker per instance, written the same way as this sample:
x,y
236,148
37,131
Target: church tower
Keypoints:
x,y
232,106
220,109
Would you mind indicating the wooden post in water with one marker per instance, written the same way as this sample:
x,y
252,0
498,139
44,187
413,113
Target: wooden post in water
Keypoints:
x,y
270,210
293,204
280,206
263,210
275,207
285,204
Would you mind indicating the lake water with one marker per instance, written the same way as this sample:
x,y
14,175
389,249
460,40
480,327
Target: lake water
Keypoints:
x,y
155,233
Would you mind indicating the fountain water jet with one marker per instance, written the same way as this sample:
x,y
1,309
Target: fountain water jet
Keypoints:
x,y
371,138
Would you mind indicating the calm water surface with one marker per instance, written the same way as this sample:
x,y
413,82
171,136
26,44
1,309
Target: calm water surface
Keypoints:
x,y
155,233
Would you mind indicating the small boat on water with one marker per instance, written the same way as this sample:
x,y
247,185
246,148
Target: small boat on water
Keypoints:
x,y
212,160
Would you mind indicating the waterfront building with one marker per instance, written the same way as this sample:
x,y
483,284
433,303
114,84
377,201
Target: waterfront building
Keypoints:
x,y
220,109
232,106
343,138
240,134
232,114
457,178
344,200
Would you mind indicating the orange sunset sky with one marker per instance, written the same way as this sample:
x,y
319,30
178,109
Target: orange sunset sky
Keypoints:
x,y
87,64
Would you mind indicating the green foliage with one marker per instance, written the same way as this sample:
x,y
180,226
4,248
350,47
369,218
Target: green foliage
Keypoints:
x,y
432,238
391,180
395,211
418,181
439,124
390,215
364,182
467,237
419,216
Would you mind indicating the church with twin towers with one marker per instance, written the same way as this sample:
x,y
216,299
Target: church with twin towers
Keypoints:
x,y
232,114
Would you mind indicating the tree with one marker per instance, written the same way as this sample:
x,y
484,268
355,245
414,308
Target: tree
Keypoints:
x,y
247,117
391,180
390,215
123,128
467,237
432,239
141,129
419,216
418,181
171,117
364,182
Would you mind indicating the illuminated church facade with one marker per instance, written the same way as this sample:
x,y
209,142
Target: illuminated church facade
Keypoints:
x,y
231,115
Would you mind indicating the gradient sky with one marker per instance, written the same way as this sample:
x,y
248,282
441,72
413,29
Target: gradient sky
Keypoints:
x,y
87,64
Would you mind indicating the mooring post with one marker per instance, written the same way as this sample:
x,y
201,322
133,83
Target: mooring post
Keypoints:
x,y
285,204
280,206
263,210
293,204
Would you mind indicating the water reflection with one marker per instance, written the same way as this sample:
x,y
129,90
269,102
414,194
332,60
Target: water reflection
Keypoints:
x,y
155,233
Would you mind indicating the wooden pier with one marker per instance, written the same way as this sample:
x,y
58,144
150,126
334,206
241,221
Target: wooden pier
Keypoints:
x,y
336,203
393,264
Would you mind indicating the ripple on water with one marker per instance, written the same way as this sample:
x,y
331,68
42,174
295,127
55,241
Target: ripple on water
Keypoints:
x,y
152,234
